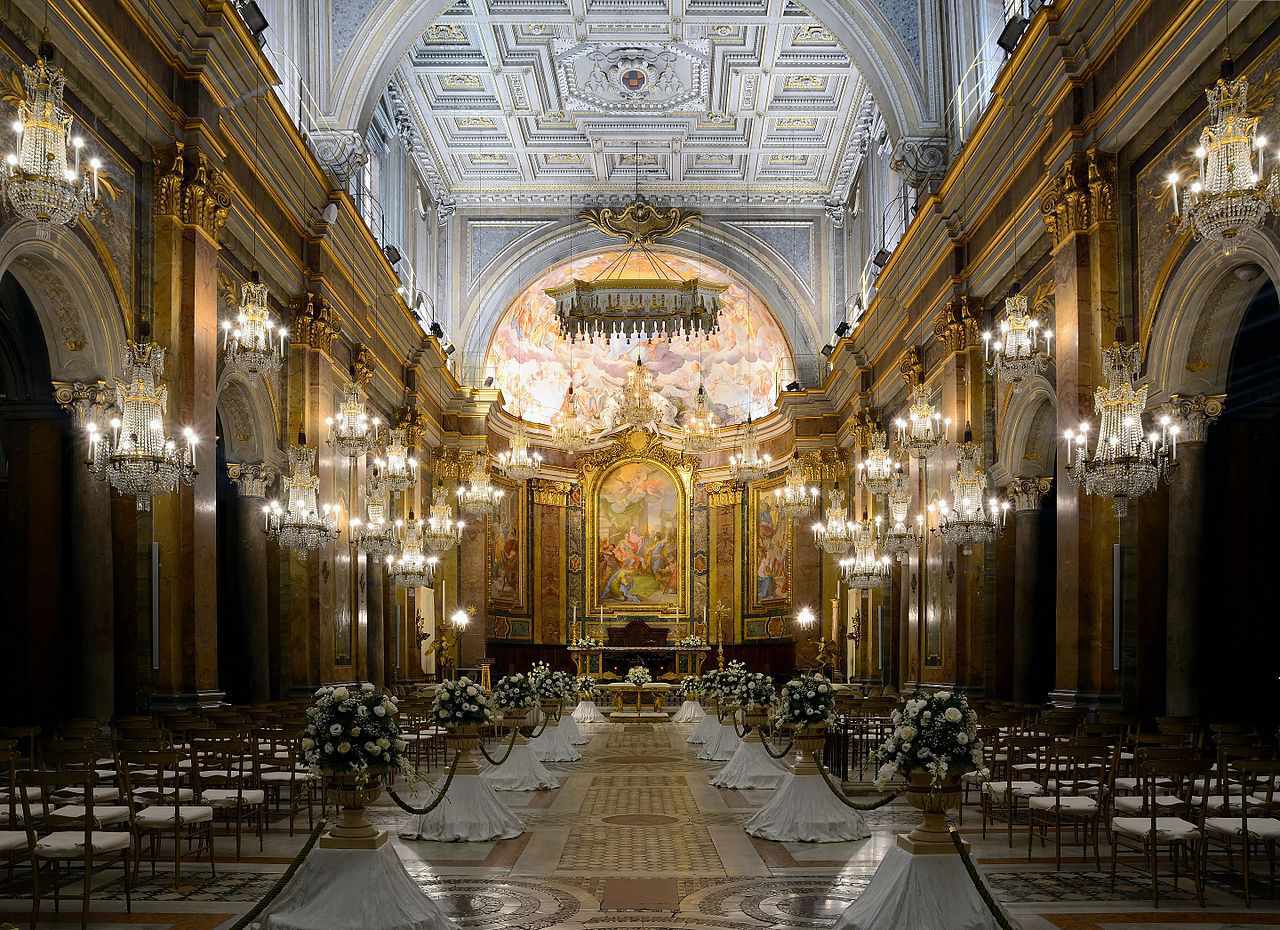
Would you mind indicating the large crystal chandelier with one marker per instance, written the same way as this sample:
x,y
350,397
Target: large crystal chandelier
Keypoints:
x,y
252,343
924,430
42,175
352,432
969,519
1126,462
878,471
441,532
637,408
1023,349
570,431
518,462
749,463
795,499
138,458
615,305
375,535
412,567
1231,192
480,496
301,523
902,537
700,425
834,535
397,470
866,569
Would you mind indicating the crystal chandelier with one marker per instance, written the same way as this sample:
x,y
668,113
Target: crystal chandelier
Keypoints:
x,y
377,534
867,569
749,463
570,431
252,344
924,430
1017,354
969,519
795,499
700,425
1231,192
441,532
902,537
637,409
412,567
352,433
617,306
301,523
480,496
834,535
138,459
42,176
517,461
878,471
397,470
1126,462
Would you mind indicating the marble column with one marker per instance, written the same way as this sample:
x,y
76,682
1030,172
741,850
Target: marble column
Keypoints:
x,y
376,619
1186,530
251,481
1025,494
91,554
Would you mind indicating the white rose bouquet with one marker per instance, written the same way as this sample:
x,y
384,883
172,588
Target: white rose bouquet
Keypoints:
x,y
689,689
513,691
586,642
936,732
585,685
565,684
726,682
353,730
537,672
638,675
461,702
548,685
691,642
755,688
806,699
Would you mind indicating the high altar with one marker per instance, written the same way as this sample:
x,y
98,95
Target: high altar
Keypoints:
x,y
637,643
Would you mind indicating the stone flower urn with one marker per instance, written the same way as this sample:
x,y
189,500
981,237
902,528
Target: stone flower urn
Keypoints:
x,y
515,717
353,794
809,741
930,837
754,717
463,738
552,709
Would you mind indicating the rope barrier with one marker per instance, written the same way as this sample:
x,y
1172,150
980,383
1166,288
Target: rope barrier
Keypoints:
x,y
996,911
422,811
510,745
284,879
778,755
545,721
840,795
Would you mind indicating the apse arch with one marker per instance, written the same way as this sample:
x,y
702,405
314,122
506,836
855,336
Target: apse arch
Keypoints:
x,y
84,327
390,28
1199,311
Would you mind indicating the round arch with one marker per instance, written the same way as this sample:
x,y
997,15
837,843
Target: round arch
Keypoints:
x,y
1198,313
387,32
1024,444
247,410
83,325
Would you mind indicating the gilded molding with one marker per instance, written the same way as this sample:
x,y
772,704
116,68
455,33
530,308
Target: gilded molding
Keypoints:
x,y
1064,206
551,493
251,478
362,366
635,444
313,323
1102,188
1193,414
956,325
88,402
1026,493
724,494
911,366
198,196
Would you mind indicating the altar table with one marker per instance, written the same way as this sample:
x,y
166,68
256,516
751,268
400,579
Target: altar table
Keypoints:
x,y
655,692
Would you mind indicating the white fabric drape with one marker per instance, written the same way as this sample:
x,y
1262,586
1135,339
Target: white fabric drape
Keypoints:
x,y
751,767
721,744
587,712
920,892
520,772
689,712
552,745
470,813
706,726
805,811
574,735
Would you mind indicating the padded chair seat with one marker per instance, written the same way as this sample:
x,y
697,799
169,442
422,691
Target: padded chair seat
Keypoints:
x,y
31,791
69,844
1167,828
12,840
227,797
155,795
286,776
103,814
162,815
1260,828
1135,803
1075,786
1071,804
1021,789
100,793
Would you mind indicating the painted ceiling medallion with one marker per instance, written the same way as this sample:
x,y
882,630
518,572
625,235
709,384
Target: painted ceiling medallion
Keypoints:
x,y
644,78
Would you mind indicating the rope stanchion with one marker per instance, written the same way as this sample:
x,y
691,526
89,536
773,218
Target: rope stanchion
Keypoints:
x,y
992,905
766,738
444,789
546,719
840,795
284,879
507,755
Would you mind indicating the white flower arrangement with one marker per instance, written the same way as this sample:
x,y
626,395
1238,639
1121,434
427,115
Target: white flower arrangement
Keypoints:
x,y
936,732
549,685
638,675
461,702
725,683
806,699
513,691
537,672
353,730
585,684
755,688
586,642
691,642
690,689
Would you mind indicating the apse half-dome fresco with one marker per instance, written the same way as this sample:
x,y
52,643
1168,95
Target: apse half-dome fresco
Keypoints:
x,y
530,361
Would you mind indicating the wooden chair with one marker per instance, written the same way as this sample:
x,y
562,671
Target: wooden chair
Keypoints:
x,y
225,777
1253,827
1079,789
13,841
280,770
1169,820
168,817
1028,759
54,837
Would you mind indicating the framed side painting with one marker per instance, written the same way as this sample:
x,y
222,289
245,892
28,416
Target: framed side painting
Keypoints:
x,y
506,542
769,551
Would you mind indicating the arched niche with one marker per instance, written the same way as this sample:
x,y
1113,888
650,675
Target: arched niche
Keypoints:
x,y
1024,443
247,411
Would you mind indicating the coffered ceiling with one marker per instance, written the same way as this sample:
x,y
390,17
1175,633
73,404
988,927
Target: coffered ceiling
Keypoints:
x,y
545,100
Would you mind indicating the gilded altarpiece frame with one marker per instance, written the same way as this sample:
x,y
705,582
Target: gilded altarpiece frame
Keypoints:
x,y
768,565
506,575
642,449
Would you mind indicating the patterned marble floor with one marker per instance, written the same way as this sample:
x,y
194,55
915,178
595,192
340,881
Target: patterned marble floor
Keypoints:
x,y
636,839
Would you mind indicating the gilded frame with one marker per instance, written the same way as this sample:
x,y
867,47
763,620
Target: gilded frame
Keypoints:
x,y
518,496
756,605
636,446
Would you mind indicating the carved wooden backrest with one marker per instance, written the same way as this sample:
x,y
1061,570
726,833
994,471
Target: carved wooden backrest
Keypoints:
x,y
638,633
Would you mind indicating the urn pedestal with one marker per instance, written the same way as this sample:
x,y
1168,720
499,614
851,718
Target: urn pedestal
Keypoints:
x,y
352,796
930,837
